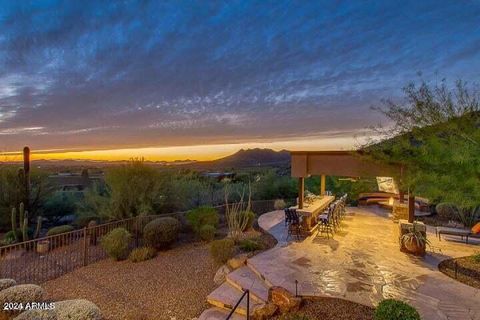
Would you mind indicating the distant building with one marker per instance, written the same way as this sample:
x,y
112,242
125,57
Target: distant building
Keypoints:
x,y
75,182
219,175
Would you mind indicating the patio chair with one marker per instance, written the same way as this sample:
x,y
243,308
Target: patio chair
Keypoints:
x,y
287,216
463,233
294,225
325,223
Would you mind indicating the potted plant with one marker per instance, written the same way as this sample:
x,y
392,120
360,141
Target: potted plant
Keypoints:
x,y
43,246
415,241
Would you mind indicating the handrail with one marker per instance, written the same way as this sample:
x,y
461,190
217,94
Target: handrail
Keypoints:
x,y
245,293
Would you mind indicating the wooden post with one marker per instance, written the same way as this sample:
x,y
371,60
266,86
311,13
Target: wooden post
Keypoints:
x,y
301,192
85,247
411,208
322,185
401,194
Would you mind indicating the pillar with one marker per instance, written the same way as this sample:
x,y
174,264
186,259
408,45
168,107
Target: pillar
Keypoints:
x,y
301,192
322,185
411,208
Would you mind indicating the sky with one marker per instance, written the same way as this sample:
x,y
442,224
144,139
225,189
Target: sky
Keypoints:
x,y
201,79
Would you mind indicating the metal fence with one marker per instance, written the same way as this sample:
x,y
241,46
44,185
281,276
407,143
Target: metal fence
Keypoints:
x,y
39,260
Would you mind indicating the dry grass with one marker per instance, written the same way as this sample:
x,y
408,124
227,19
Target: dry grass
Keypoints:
x,y
172,285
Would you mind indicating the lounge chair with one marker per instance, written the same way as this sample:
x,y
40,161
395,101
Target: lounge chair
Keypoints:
x,y
464,233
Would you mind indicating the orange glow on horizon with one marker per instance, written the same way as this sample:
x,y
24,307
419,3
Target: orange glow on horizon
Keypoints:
x,y
197,152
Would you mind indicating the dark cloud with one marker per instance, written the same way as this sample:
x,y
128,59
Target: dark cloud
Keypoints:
x,y
77,74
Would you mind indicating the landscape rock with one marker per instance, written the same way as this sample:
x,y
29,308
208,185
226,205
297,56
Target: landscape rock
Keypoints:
x,y
238,261
221,274
7,283
283,299
264,312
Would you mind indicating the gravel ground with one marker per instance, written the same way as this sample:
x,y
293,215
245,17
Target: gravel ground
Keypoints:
x,y
174,285
468,270
334,309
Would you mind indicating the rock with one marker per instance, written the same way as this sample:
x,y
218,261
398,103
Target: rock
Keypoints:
x,y
7,283
283,299
238,261
264,312
221,274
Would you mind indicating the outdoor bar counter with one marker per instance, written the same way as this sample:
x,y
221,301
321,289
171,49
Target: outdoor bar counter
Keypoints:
x,y
310,211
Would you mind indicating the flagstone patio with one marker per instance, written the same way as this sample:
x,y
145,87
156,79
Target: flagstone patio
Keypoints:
x,y
362,263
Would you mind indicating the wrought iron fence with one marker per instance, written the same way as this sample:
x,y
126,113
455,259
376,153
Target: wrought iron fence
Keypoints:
x,y
43,259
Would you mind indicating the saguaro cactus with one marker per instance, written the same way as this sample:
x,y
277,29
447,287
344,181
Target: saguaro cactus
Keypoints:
x,y
23,223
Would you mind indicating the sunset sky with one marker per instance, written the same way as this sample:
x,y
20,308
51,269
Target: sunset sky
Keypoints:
x,y
201,79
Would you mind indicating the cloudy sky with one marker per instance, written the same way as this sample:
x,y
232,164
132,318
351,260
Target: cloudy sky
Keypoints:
x,y
91,75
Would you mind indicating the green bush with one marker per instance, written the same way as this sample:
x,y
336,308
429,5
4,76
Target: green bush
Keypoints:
x,y
391,309
142,254
207,232
447,211
69,309
9,237
222,250
59,230
294,316
476,258
202,216
249,216
161,232
250,245
83,220
19,294
116,243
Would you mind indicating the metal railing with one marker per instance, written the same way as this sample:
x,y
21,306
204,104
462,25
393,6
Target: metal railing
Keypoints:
x,y
247,294
39,260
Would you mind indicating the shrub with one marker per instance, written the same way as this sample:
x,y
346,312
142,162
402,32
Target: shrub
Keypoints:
x,y
142,254
447,211
9,237
476,258
250,245
202,216
391,309
23,293
162,232
69,309
222,250
249,216
59,230
294,316
116,243
207,232
7,283
279,204
82,221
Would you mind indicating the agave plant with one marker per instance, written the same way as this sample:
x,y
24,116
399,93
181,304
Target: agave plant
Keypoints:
x,y
469,216
414,238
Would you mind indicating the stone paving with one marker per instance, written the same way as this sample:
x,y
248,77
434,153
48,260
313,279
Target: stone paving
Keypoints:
x,y
363,263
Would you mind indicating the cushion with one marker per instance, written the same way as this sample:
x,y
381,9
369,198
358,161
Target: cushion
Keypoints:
x,y
476,228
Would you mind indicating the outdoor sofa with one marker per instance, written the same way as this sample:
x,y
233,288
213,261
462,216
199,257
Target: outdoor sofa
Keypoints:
x,y
464,233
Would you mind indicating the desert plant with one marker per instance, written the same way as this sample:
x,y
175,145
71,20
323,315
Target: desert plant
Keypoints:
x,y
10,237
235,212
468,217
60,229
390,309
207,232
69,309
7,283
222,250
250,245
23,224
279,204
414,238
294,316
142,254
447,211
249,217
20,294
116,243
476,257
201,216
161,232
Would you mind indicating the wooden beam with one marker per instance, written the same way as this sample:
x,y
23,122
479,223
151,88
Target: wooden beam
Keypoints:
x,y
411,208
301,192
322,185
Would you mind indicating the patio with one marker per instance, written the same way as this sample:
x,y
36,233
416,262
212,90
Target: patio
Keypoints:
x,y
362,263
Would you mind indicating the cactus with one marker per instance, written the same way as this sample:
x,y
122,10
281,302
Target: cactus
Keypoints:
x,y
23,223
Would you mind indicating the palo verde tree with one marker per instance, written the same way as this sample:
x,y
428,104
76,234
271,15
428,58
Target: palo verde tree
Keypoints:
x,y
435,134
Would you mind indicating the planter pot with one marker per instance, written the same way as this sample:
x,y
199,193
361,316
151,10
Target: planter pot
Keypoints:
x,y
43,246
413,247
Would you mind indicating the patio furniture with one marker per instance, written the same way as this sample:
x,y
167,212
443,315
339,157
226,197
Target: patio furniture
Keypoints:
x,y
463,233
325,221
295,223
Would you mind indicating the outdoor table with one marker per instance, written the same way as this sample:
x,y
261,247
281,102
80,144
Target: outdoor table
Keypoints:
x,y
310,212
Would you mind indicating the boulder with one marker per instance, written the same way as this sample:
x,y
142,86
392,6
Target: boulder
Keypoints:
x,y
7,283
264,312
238,261
283,299
221,274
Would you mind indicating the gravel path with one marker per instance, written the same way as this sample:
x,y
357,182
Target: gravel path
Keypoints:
x,y
171,286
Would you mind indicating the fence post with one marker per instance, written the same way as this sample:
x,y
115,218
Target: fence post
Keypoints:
x,y
136,231
85,247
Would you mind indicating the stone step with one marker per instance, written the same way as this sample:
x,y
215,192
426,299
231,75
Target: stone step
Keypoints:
x,y
255,270
226,297
219,314
245,278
